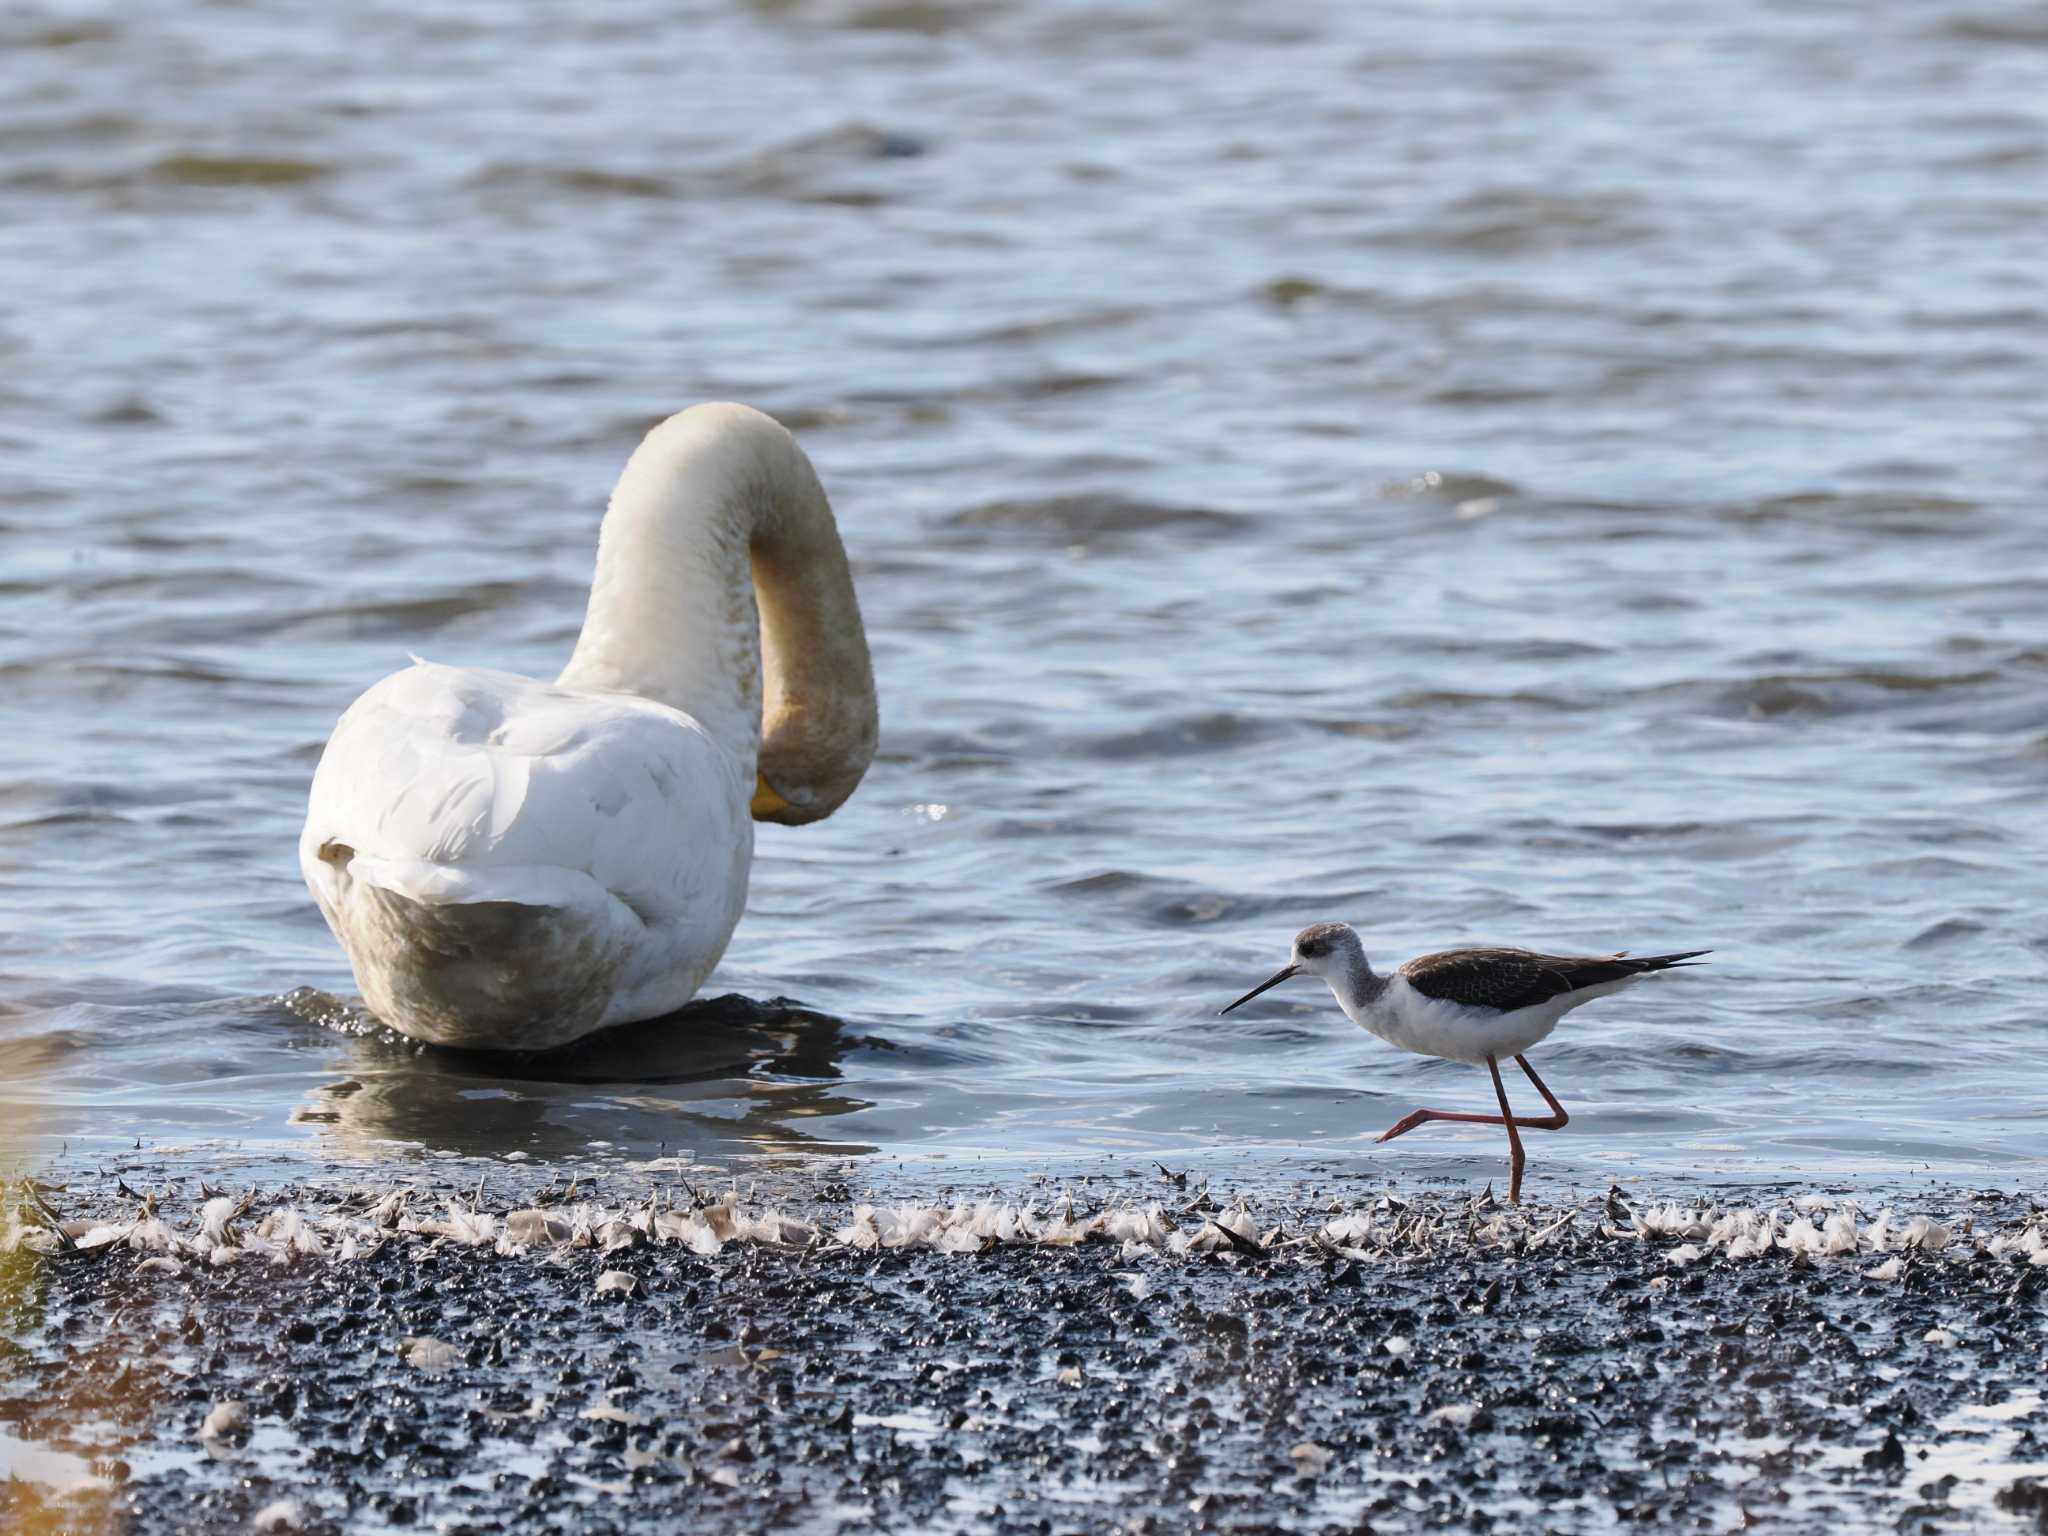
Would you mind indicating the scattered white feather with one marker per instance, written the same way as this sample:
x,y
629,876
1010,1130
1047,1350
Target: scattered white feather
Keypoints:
x,y
283,1515
1670,1220
691,1230
2030,1244
1310,1459
1148,1227
225,1421
533,1228
472,1229
387,1212
1349,1231
227,1231
772,1227
1925,1234
1802,1236
290,1236
214,1217
431,1355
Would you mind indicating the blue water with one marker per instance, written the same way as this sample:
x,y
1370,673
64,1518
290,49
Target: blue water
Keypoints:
x,y
1543,475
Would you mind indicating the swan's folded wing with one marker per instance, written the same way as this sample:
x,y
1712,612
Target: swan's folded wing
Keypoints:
x,y
457,784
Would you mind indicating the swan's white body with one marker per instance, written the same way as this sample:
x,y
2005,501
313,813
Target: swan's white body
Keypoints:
x,y
528,862
511,864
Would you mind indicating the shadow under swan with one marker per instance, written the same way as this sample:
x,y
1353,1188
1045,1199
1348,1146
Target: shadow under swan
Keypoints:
x,y
719,1078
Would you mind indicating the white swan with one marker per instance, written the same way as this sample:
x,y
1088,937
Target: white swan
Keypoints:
x,y
511,864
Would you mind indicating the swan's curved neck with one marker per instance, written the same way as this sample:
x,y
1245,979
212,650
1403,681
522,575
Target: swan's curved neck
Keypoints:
x,y
719,506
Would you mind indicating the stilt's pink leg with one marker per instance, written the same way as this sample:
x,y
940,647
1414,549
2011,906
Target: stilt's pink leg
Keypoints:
x,y
1507,1118
1416,1117
1556,1120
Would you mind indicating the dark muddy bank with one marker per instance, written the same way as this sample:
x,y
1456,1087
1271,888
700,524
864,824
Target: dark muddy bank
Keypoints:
x,y
1434,1364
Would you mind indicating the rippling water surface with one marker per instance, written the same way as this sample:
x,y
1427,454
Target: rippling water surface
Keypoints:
x,y
1519,473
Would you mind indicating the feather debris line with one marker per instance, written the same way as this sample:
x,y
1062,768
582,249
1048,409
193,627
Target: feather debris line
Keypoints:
x,y
221,1230
1815,1228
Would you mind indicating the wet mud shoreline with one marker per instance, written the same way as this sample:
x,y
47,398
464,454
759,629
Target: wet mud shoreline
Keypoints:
x,y
1047,1359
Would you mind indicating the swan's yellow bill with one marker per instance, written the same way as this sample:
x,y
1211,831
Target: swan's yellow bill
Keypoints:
x,y
766,801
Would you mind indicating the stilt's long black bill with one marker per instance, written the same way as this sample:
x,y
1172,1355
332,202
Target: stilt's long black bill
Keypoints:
x,y
1271,981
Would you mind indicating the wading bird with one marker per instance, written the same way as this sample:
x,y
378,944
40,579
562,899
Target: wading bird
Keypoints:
x,y
510,863
1469,1005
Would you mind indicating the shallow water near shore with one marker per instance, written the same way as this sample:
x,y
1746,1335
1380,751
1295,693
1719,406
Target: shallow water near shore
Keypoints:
x,y
1508,476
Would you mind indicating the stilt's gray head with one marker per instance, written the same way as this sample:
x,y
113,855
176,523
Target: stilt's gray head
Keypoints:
x,y
1320,949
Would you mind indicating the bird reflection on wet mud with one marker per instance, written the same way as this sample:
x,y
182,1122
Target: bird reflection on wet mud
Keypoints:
x,y
724,1076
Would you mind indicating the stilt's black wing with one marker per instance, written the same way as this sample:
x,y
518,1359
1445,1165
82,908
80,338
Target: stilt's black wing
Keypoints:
x,y
1508,979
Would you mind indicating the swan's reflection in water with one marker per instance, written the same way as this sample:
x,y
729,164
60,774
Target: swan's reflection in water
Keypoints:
x,y
725,1076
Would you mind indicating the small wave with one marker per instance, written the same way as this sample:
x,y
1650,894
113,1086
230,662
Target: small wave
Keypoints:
x,y
934,751
79,795
1429,701
1928,866
1181,736
1470,396
575,180
1950,930
2009,31
1290,292
1641,831
44,823
1452,486
1160,903
1108,882
1821,695
416,617
1082,518
1510,221
791,168
929,18
63,34
128,411
236,171
1067,321
1877,513
1366,730
1486,648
